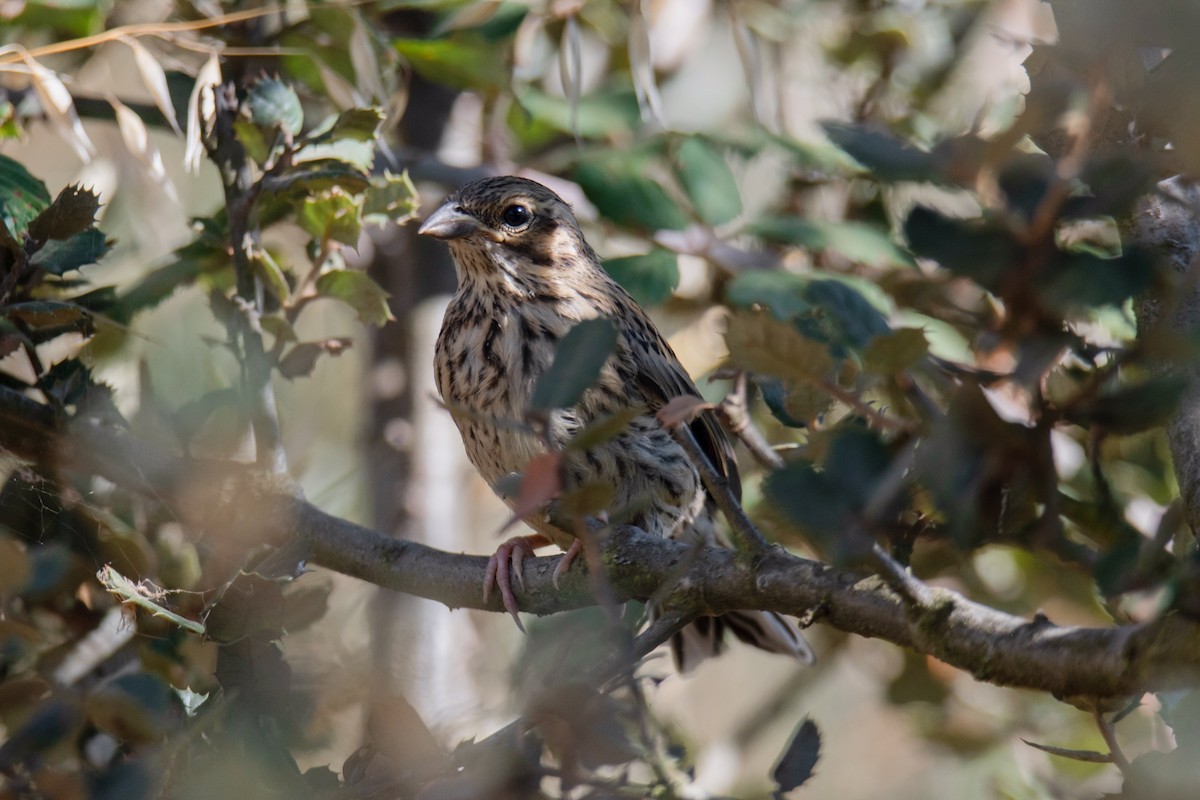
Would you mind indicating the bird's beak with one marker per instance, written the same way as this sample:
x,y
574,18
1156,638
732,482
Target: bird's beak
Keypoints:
x,y
449,222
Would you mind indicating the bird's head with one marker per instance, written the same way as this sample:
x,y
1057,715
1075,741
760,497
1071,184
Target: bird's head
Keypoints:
x,y
513,229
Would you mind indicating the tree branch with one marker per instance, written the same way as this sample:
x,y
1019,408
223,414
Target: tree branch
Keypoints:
x,y
1077,664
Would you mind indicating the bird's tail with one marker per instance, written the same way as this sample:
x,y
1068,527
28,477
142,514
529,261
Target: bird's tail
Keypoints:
x,y
766,630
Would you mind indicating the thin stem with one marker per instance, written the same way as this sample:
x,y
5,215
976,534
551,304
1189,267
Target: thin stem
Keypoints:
x,y
721,491
1110,739
734,413
240,194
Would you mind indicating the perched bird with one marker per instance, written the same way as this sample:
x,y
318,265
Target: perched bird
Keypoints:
x,y
525,278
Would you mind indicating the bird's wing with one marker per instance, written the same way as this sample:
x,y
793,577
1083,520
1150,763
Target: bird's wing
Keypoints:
x,y
663,379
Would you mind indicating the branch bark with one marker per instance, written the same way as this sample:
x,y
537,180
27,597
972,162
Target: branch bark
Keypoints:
x,y
1087,666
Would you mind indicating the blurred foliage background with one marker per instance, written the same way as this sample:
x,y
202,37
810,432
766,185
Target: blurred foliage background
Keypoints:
x,y
908,222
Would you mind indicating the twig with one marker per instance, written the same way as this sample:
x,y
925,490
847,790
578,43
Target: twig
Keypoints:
x,y
240,193
862,408
996,647
1110,739
721,492
734,413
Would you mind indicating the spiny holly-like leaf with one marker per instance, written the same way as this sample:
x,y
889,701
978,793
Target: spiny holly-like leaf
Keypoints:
x,y
359,292
357,124
578,358
333,214
72,212
22,196
889,353
650,278
390,199
60,256
796,764
708,181
302,358
762,344
274,103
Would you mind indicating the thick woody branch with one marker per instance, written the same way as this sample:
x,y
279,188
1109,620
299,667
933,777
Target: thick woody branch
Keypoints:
x,y
1085,665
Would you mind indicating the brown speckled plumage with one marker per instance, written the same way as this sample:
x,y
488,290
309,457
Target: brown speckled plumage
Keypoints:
x,y
521,287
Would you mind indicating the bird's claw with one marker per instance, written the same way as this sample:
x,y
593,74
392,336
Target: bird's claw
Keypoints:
x,y
565,562
504,564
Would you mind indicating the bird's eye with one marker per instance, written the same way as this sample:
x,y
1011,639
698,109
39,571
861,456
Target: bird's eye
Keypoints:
x,y
516,215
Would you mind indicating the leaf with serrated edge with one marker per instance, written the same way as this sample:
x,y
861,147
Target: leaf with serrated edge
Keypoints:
x,y
762,344
302,358
73,211
889,353
358,291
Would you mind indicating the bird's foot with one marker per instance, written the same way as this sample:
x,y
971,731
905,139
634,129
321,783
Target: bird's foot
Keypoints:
x,y
565,562
504,564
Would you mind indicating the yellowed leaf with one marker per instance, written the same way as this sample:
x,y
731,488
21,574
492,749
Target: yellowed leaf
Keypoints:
x,y
60,109
155,79
202,106
762,344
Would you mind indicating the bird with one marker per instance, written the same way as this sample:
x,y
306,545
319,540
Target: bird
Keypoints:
x,y
526,276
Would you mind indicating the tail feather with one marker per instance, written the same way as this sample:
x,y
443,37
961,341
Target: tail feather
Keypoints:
x,y
766,630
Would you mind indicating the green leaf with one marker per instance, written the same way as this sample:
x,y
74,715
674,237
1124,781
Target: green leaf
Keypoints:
x,y
1080,280
58,256
855,241
578,358
333,214
462,62
846,315
357,154
22,196
889,353
807,499
599,114
782,293
978,250
71,213
358,291
761,344
619,188
251,137
268,269
887,157
708,181
357,124
274,103
650,278
390,199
